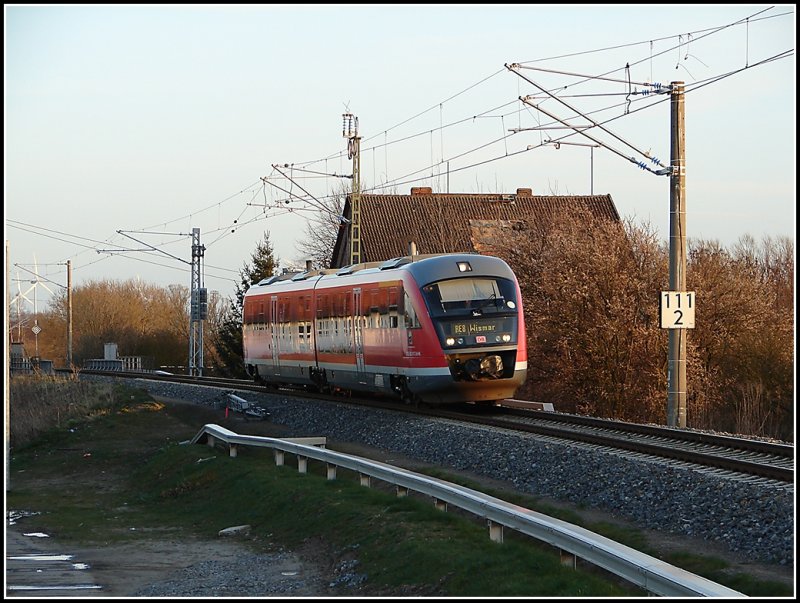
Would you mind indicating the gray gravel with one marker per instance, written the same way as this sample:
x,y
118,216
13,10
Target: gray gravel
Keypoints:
x,y
746,516
256,574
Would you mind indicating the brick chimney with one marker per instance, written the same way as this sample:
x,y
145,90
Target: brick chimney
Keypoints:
x,y
524,192
421,190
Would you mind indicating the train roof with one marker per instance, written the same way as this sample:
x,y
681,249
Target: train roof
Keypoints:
x,y
424,268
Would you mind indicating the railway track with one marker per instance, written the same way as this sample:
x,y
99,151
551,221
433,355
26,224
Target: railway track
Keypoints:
x,y
738,456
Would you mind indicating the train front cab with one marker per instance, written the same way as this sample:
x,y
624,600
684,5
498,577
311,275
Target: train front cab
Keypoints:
x,y
473,318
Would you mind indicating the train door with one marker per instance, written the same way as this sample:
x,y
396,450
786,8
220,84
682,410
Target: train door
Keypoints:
x,y
411,327
358,334
274,332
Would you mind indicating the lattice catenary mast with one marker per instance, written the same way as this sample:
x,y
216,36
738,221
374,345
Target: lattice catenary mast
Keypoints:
x,y
350,131
198,308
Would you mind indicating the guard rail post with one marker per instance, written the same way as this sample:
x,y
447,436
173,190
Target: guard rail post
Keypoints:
x,y
495,531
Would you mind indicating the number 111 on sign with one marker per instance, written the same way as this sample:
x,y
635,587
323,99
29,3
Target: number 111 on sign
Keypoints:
x,y
677,309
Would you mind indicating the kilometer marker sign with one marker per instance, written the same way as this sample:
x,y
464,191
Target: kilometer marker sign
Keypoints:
x,y
677,309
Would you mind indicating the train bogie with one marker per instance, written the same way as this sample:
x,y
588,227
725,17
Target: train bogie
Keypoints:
x,y
438,329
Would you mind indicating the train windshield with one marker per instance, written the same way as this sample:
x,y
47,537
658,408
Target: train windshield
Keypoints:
x,y
470,297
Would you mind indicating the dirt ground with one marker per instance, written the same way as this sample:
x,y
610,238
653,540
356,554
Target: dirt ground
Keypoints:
x,y
126,569
123,570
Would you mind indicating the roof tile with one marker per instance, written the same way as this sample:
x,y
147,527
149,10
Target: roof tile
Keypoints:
x,y
449,222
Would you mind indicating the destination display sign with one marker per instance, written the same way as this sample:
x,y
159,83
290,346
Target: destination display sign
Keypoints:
x,y
471,328
485,328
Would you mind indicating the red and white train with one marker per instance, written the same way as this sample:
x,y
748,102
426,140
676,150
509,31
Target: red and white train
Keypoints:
x,y
427,328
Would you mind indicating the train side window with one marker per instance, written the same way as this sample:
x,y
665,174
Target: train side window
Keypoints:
x,y
410,314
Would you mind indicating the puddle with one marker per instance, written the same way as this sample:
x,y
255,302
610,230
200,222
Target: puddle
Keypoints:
x,y
71,587
35,557
13,516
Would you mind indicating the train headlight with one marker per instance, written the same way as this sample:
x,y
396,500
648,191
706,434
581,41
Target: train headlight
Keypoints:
x,y
460,340
506,337
450,341
511,304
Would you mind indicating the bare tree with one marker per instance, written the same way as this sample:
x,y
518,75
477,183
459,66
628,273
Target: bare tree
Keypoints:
x,y
745,340
595,345
588,287
143,319
322,229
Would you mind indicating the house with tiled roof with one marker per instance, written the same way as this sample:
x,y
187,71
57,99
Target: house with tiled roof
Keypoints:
x,y
450,222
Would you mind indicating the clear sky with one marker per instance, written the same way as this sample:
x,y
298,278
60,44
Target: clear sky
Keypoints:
x,y
160,119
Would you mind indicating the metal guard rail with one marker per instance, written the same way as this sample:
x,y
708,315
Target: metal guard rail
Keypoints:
x,y
649,573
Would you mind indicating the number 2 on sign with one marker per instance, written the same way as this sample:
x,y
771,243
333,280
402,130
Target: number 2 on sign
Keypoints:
x,y
677,309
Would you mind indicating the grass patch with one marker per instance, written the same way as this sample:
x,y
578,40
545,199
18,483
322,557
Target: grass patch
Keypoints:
x,y
718,570
401,543
41,403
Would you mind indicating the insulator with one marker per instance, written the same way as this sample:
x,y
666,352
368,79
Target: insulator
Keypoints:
x,y
347,125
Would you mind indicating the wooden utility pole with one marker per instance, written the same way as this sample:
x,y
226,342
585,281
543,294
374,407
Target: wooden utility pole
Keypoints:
x,y
676,371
